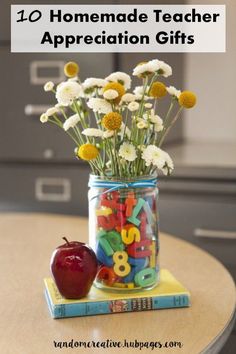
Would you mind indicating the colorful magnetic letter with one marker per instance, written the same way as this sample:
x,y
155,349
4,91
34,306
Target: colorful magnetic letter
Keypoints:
x,y
131,235
110,203
136,211
139,249
114,239
148,211
106,246
103,211
152,262
106,275
145,277
101,233
122,285
103,258
130,202
121,267
143,225
107,222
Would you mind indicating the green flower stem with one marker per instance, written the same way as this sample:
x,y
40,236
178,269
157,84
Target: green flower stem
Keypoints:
x,y
100,163
63,113
155,105
95,166
153,78
77,131
126,121
116,155
92,168
77,109
166,123
59,125
56,119
111,157
140,112
170,126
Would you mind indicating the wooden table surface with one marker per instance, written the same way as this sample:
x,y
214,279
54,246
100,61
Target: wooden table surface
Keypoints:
x,y
26,244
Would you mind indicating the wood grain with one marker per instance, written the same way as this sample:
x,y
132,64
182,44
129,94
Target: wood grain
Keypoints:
x,y
26,244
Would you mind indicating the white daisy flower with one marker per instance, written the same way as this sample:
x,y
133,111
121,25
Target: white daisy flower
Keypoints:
x,y
160,67
43,118
110,94
48,86
158,127
120,77
67,92
91,83
154,119
127,151
142,125
153,155
143,69
93,132
148,105
71,122
51,111
133,106
169,165
173,91
99,105
139,90
108,134
127,98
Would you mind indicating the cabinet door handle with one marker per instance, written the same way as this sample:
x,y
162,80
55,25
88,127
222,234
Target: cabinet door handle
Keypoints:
x,y
59,189
37,65
35,109
215,234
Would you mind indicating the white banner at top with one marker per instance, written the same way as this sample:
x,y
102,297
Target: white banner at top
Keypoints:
x,y
117,28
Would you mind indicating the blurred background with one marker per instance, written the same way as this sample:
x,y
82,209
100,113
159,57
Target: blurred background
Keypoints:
x,y
39,173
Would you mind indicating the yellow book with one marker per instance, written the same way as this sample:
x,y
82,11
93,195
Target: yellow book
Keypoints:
x,y
168,294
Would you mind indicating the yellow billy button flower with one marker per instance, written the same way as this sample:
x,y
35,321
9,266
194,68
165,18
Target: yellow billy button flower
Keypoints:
x,y
87,152
112,121
187,99
117,87
71,69
158,90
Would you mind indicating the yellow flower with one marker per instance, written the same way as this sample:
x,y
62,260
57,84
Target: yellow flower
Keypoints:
x,y
158,90
71,69
112,121
88,152
187,99
117,87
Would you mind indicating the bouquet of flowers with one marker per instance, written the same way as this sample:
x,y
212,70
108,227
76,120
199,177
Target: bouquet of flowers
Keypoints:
x,y
118,131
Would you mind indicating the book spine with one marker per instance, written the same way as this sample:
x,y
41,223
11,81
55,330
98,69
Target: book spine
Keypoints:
x,y
116,306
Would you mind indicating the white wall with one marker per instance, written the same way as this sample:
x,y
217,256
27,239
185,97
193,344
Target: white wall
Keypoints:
x,y
213,77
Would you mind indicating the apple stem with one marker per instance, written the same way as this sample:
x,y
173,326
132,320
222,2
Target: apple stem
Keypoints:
x,y
64,238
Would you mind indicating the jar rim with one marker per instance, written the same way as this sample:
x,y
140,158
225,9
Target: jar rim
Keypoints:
x,y
122,179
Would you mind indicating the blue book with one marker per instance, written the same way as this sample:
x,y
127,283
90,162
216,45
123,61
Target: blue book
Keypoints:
x,y
168,294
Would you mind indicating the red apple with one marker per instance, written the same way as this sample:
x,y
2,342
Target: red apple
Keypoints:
x,y
74,267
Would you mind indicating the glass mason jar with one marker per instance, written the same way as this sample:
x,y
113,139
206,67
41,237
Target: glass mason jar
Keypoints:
x,y
123,231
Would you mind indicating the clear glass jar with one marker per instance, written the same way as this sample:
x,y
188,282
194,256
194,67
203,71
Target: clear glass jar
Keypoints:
x,y
123,231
